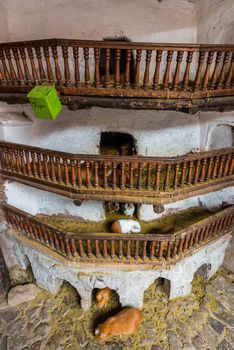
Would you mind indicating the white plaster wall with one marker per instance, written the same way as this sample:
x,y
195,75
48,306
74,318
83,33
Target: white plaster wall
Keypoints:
x,y
212,201
35,201
168,21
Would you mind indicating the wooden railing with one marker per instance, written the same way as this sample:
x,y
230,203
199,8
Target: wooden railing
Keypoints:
x,y
114,68
135,178
121,248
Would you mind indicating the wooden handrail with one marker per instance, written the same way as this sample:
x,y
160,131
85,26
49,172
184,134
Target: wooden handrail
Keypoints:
x,y
119,247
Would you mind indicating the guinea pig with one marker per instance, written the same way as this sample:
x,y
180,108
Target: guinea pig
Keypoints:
x,y
126,226
103,296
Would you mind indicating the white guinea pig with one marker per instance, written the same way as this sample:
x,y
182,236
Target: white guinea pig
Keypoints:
x,y
126,226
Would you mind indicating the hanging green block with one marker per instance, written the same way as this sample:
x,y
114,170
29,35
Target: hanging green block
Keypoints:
x,y
45,102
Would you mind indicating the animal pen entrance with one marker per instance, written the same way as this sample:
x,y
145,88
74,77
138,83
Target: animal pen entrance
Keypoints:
x,y
117,143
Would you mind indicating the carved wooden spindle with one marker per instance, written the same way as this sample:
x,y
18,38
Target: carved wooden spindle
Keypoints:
x,y
210,166
97,63
114,179
203,170
148,177
182,177
61,245
160,250
230,74
66,175
89,249
48,64
128,252
117,67
167,177
120,249
97,249
2,80
41,68
17,161
5,69
33,67
76,65
215,71
157,69
22,161
226,166
175,246
105,174
152,250
175,181
187,70
186,243
128,55
52,168
11,66
144,252
139,179
123,177
81,248
25,65
223,70
112,249
191,239
231,166
34,164
180,246
147,68
169,246
59,172
56,65
214,172
137,68
96,178
136,250
79,177
190,173
87,168
107,68
56,242
46,168
73,247
28,164
131,175
157,178
220,172
177,70
66,66
167,71
197,81
105,249
206,77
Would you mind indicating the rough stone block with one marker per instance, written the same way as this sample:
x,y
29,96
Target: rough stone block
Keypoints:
x,y
21,294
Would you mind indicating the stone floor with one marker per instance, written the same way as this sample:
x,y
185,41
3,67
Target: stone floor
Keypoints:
x,y
204,320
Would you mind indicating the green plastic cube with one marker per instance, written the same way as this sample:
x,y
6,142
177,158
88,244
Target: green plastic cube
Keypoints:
x,y
45,102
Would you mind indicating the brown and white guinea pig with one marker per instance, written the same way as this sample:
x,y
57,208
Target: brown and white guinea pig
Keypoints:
x,y
126,226
125,322
103,296
128,209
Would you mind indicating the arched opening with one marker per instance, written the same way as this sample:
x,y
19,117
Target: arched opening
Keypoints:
x,y
203,271
117,143
158,287
68,295
222,136
200,279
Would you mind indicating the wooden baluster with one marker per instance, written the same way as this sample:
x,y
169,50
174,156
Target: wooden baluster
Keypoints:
x,y
136,251
12,163
56,65
191,240
128,253
206,77
182,178
139,179
87,166
56,242
177,70
223,70
51,240
137,68
33,67
210,166
187,70
76,65
66,175
22,161
215,71
28,165
26,69
167,72
96,178
147,68
18,66
231,166
120,249
157,69
81,248
61,245
89,248
107,68
167,177
41,68
144,254
203,170
45,235
226,166
87,73
160,250
214,172
190,173
152,250
197,81
59,172
131,176
230,74
79,177
46,169
2,81
180,247
52,168
11,66
220,172
105,175
104,249
157,178
148,177
97,250
175,181
114,166
7,159
97,63
3,158
41,238
5,69
186,242
66,66
174,252
34,164
128,55
117,67
169,245
112,249
122,179
17,162
48,65
73,247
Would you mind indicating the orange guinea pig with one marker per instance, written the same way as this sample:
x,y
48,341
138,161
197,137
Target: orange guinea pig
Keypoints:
x,y
126,322
103,296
